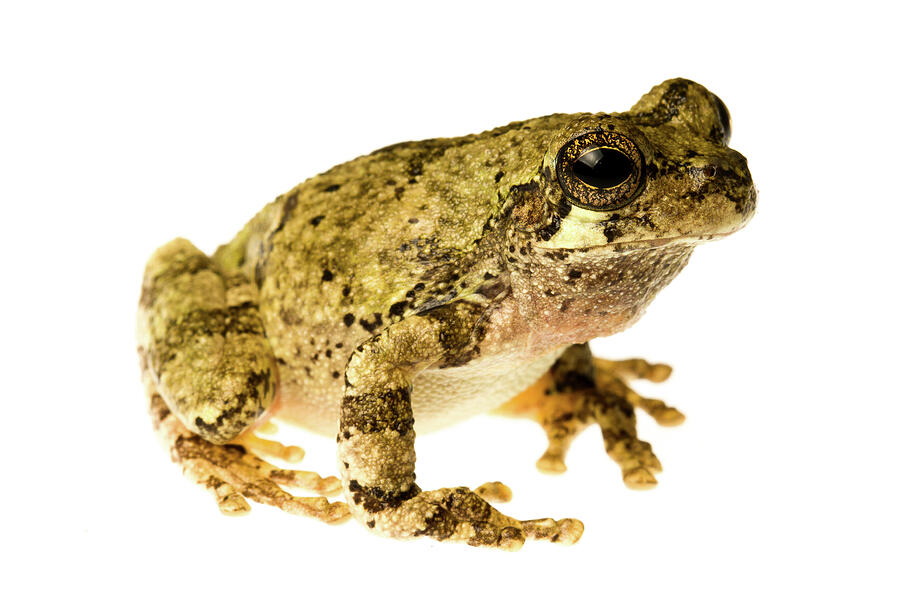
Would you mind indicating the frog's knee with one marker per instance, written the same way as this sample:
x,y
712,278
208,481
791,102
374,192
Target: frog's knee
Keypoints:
x,y
203,343
223,410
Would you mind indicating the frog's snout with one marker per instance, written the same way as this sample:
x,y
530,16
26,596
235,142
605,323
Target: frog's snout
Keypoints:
x,y
729,176
735,184
723,191
739,185
747,206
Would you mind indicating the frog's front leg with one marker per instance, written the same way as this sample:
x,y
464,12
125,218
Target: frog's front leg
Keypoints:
x,y
580,390
612,375
376,441
209,375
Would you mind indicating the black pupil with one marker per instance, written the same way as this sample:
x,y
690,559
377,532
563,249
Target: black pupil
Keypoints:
x,y
602,168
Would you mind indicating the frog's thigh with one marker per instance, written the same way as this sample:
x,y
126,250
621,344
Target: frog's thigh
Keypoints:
x,y
203,342
209,374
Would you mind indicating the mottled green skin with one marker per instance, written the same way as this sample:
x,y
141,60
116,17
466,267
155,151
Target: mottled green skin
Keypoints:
x,y
398,232
457,258
415,225
202,342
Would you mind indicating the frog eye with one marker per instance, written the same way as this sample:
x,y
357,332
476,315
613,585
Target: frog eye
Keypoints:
x,y
600,170
724,120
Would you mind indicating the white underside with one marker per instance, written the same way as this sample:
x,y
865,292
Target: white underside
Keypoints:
x,y
440,397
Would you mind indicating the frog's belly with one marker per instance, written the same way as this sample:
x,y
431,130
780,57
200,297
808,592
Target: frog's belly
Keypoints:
x,y
440,397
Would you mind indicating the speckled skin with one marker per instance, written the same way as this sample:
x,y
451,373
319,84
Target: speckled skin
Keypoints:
x,y
429,281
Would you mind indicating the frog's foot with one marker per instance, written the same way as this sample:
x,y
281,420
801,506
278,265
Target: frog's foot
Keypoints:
x,y
580,390
562,415
634,368
615,415
494,491
266,447
463,515
233,474
574,411
613,407
612,374
563,419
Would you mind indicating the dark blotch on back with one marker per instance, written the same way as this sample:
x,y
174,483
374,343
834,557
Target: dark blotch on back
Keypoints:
x,y
290,203
397,308
372,325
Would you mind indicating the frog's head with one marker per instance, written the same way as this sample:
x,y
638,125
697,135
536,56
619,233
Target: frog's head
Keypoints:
x,y
660,172
622,199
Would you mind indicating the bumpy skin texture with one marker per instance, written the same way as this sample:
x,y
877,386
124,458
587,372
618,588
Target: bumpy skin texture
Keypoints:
x,y
429,281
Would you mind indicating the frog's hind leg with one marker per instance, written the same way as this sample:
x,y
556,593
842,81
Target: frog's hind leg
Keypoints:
x,y
579,391
210,374
233,474
265,447
203,344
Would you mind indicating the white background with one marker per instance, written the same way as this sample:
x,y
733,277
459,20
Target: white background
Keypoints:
x,y
126,124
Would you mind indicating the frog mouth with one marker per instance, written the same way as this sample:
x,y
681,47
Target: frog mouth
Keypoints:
x,y
692,240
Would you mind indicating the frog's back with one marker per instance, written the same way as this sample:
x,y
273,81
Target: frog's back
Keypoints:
x,y
367,241
366,232
362,234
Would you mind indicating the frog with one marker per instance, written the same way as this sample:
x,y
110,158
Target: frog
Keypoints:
x,y
430,281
